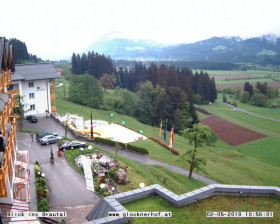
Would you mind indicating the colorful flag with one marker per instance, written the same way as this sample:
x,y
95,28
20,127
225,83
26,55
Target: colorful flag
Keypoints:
x,y
165,130
171,137
160,128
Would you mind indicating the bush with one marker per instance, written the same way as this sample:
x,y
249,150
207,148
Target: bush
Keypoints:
x,y
137,149
109,142
212,140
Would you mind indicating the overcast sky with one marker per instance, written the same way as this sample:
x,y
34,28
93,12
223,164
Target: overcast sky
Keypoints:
x,y
54,29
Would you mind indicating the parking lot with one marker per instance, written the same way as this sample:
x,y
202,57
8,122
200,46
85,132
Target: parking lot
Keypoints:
x,y
67,188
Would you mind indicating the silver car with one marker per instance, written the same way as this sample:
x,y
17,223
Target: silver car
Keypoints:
x,y
49,139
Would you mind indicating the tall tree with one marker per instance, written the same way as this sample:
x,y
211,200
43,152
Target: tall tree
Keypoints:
x,y
107,81
197,135
74,63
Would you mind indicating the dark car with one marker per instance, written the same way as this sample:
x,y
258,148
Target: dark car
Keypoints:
x,y
32,118
49,139
72,145
43,134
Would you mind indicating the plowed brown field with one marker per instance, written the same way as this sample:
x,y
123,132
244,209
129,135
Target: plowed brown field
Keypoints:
x,y
231,133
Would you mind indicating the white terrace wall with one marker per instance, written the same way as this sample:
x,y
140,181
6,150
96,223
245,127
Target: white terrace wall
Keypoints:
x,y
115,201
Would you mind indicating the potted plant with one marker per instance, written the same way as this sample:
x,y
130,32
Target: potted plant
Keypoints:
x,y
47,113
59,144
51,157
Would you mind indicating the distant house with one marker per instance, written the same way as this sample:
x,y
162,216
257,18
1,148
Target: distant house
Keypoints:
x,y
59,70
35,82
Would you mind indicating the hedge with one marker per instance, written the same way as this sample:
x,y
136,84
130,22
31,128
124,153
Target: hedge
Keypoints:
x,y
137,149
175,151
121,145
109,142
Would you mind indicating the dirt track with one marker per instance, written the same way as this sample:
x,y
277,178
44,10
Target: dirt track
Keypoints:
x,y
231,133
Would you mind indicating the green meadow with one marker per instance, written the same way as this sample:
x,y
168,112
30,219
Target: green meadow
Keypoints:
x,y
240,80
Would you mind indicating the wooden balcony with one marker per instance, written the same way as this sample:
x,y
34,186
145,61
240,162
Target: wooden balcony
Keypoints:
x,y
52,87
5,79
8,159
52,97
53,109
14,91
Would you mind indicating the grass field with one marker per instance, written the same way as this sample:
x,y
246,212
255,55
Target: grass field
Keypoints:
x,y
137,173
263,111
257,124
196,212
248,72
226,164
233,81
238,78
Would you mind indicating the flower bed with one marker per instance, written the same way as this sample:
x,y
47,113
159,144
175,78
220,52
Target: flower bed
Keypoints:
x,y
41,190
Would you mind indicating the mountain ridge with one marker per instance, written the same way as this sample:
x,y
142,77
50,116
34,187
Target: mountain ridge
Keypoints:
x,y
262,50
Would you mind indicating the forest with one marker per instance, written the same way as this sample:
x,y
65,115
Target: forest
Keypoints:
x,y
147,93
20,52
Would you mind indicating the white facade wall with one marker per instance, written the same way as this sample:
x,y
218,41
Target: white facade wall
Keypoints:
x,y
40,97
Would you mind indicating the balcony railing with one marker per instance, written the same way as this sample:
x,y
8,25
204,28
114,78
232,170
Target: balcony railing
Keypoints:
x,y
52,87
52,97
8,159
53,109
14,91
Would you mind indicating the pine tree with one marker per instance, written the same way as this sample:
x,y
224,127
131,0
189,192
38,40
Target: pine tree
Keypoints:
x,y
74,64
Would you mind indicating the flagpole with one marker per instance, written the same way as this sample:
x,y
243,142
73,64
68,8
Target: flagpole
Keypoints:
x,y
91,126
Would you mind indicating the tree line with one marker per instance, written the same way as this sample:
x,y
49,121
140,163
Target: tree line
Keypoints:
x,y
162,92
20,52
168,76
92,63
260,96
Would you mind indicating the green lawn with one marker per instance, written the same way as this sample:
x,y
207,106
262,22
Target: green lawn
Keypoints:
x,y
196,212
149,175
268,153
263,111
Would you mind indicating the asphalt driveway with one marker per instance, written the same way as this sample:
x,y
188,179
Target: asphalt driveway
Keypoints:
x,y
67,187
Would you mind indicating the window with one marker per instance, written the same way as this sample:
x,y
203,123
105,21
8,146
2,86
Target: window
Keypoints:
x,y
31,84
31,95
32,107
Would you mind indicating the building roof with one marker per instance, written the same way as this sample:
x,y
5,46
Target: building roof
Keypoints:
x,y
34,72
1,50
100,210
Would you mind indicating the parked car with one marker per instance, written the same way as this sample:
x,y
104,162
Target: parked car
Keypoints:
x,y
72,145
49,139
32,118
43,134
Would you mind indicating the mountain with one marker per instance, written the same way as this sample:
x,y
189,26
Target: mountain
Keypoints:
x,y
119,48
258,50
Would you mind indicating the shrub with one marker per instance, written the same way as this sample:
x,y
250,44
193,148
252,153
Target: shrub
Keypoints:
x,y
112,172
212,140
137,149
109,142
